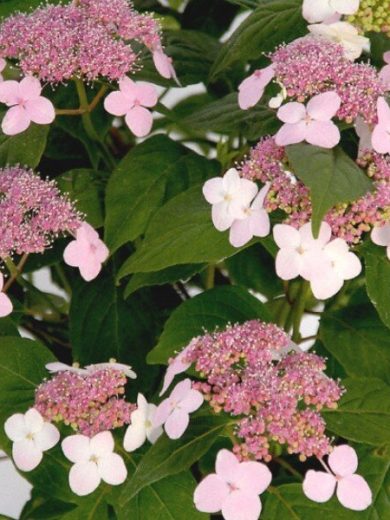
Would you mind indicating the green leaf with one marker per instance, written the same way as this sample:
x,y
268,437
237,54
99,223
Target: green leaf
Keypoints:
x,y
207,311
363,414
22,368
168,499
44,508
152,172
331,176
168,275
169,457
378,280
26,148
272,23
181,232
209,16
224,116
8,7
255,268
358,340
84,187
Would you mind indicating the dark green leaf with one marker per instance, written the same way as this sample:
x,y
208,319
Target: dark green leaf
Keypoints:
x,y
331,176
26,148
169,457
209,16
207,311
363,414
378,280
152,172
272,23
358,340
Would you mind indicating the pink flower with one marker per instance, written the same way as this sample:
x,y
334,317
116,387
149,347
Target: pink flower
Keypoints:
x,y
130,101
3,64
31,436
381,237
5,303
174,411
351,489
176,366
364,133
229,196
94,460
312,123
163,64
27,105
322,10
385,72
255,224
299,251
381,133
234,488
252,88
87,252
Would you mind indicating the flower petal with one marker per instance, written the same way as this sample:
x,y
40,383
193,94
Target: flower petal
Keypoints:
x,y
75,252
163,64
286,236
102,444
30,88
40,111
326,285
163,410
76,448
15,427
288,264
291,134
176,424
292,113
146,94
241,505
135,435
345,6
84,478
117,104
380,139
383,110
210,494
226,465
316,10
213,190
319,486
240,232
26,455
90,268
253,477
192,401
47,437
324,106
139,120
381,235
34,420
6,306
354,493
252,88
343,460
9,92
176,366
15,121
112,469
323,133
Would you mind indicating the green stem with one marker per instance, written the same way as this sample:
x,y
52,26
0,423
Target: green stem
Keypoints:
x,y
14,270
299,309
291,296
210,275
283,313
288,467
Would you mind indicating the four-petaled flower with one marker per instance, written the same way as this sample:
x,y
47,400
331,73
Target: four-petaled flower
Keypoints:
x,y
381,134
251,90
31,436
26,105
131,101
5,303
351,489
87,252
94,460
229,196
323,10
176,366
381,237
255,224
174,411
141,427
346,35
234,489
312,123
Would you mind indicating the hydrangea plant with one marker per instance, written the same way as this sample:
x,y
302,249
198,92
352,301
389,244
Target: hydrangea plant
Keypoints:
x,y
203,188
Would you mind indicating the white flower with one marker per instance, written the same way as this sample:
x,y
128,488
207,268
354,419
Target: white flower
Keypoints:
x,y
320,10
57,366
141,427
381,237
126,369
31,436
346,35
94,460
229,196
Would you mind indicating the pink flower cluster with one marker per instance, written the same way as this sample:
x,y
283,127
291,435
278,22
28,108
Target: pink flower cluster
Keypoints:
x,y
90,403
268,163
312,65
32,212
88,38
254,372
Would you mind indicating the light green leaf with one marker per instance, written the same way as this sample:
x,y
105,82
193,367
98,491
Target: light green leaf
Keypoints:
x,y
214,308
331,176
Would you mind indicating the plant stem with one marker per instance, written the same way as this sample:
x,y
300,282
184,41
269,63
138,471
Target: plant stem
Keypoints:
x,y
283,313
288,467
86,116
15,270
210,275
299,309
82,110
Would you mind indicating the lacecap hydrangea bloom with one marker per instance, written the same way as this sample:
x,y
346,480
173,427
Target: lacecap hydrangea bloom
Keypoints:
x,y
274,390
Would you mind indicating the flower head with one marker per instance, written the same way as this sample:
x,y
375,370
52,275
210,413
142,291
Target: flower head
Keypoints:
x,y
5,303
130,101
87,252
351,489
346,35
174,411
312,123
26,105
234,488
94,460
141,427
31,436
322,10
251,90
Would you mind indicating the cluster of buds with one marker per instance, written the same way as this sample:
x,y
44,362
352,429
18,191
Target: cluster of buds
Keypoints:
x,y
372,16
